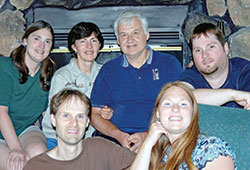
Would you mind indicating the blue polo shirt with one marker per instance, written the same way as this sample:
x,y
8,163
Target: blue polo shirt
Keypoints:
x,y
238,78
131,92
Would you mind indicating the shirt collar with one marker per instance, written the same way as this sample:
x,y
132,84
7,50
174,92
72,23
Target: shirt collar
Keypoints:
x,y
78,72
125,62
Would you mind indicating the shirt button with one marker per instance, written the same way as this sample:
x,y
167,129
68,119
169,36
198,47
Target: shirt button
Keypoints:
x,y
139,77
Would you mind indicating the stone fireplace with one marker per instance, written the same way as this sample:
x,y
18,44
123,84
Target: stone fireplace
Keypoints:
x,y
165,31
170,22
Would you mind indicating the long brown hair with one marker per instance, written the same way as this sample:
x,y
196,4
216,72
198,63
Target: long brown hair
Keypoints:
x,y
18,55
183,147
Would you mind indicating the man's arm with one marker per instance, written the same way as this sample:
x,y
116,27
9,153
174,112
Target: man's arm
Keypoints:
x,y
221,96
108,128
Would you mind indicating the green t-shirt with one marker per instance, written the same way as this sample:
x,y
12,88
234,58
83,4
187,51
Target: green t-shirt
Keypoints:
x,y
26,101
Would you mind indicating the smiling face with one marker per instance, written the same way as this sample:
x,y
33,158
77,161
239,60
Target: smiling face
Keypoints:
x,y
87,48
71,121
209,55
175,111
131,38
38,45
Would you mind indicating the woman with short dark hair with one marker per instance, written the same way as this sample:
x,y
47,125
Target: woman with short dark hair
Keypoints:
x,y
84,42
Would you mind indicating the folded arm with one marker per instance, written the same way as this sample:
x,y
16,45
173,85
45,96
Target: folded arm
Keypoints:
x,y
221,96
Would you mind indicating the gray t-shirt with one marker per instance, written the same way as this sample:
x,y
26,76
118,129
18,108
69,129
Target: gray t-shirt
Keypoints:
x,y
70,76
98,154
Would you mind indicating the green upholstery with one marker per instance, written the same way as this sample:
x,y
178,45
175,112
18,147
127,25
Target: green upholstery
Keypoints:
x,y
230,124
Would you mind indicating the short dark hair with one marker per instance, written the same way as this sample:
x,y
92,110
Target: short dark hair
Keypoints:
x,y
203,29
82,30
66,95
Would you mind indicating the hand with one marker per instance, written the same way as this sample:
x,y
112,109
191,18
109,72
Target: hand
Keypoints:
x,y
123,140
106,112
17,159
137,139
242,98
155,132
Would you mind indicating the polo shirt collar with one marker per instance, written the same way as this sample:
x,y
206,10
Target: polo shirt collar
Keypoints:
x,y
125,62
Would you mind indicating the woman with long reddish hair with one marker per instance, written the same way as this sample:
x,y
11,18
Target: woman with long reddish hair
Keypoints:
x,y
174,141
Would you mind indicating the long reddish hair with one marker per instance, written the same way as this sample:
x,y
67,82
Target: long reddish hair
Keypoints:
x,y
181,151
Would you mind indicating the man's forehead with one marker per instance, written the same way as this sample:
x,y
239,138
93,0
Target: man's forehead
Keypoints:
x,y
72,103
128,22
209,37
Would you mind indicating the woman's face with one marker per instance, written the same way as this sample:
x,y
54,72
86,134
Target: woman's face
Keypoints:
x,y
38,45
87,48
175,111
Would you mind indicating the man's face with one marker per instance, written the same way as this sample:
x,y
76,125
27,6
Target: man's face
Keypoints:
x,y
71,121
131,38
209,55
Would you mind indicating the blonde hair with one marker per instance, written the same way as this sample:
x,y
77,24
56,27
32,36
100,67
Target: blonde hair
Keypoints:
x,y
183,147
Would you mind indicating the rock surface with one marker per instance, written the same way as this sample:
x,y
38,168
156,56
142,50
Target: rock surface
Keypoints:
x,y
2,3
239,11
197,18
21,4
216,7
240,44
11,32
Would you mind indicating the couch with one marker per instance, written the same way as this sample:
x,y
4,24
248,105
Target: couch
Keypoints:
x,y
230,124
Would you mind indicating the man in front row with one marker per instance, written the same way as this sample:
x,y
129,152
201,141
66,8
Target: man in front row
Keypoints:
x,y
216,80
70,116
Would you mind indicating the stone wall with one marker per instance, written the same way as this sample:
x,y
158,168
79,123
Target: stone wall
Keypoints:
x,y
232,16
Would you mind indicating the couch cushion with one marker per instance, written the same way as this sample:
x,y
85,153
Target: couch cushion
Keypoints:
x,y
230,124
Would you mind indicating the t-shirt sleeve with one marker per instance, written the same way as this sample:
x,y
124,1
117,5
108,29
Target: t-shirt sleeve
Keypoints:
x,y
191,76
244,80
120,157
210,149
175,67
101,90
6,84
37,163
110,155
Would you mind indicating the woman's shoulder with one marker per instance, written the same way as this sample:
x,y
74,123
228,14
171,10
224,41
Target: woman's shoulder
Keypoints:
x,y
212,144
5,60
67,69
209,148
204,140
7,66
